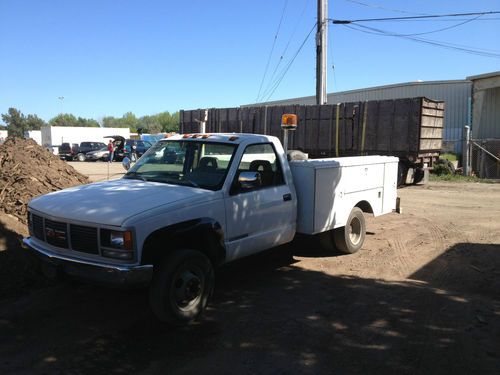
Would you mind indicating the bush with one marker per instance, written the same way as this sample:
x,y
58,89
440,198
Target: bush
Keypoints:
x,y
441,169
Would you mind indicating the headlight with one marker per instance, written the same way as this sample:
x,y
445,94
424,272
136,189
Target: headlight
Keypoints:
x,y
119,244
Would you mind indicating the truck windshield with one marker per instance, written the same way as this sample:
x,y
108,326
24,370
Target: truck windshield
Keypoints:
x,y
193,163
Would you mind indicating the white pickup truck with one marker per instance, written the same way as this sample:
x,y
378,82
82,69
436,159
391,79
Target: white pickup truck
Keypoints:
x,y
194,202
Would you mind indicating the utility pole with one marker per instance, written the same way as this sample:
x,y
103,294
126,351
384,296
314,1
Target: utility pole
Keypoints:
x,y
61,98
321,51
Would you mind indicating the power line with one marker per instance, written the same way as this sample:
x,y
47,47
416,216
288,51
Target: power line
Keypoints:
x,y
285,70
438,30
388,33
447,20
330,49
272,49
466,49
343,22
383,8
299,19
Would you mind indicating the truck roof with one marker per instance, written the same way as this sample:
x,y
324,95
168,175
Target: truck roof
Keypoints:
x,y
236,138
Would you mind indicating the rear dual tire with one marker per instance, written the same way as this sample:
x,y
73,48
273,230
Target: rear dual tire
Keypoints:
x,y
350,238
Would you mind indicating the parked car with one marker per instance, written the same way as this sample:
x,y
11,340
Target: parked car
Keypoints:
x,y
101,154
77,152
133,148
86,147
68,151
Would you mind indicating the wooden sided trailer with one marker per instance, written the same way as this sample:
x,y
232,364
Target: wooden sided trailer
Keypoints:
x,y
411,129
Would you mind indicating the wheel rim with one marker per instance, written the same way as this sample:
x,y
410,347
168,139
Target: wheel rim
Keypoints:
x,y
355,231
187,287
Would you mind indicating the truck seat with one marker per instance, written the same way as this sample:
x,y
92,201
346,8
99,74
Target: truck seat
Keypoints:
x,y
207,162
265,169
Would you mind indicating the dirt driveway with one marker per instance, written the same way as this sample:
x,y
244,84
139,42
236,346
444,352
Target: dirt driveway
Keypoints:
x,y
422,297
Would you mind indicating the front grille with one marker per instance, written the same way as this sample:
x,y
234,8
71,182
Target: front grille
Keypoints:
x,y
84,239
64,235
38,227
56,233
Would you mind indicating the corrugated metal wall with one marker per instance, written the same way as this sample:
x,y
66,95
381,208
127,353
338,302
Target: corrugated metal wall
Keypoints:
x,y
490,116
456,94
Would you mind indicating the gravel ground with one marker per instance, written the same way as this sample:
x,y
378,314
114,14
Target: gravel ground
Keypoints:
x,y
421,297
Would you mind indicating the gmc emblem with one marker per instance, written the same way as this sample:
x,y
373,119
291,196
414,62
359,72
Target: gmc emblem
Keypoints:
x,y
55,234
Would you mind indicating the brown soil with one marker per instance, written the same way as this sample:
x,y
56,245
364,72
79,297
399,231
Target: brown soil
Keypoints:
x,y
28,170
421,297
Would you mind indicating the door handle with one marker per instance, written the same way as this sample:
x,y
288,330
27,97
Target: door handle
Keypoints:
x,y
287,197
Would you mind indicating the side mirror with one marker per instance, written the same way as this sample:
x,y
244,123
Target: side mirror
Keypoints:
x,y
249,180
126,163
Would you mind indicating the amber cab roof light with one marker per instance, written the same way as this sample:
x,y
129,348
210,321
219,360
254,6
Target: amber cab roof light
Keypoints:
x,y
289,121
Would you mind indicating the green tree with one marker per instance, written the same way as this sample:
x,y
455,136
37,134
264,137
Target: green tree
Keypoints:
x,y
128,120
15,121
153,124
87,122
33,122
109,122
64,119
169,122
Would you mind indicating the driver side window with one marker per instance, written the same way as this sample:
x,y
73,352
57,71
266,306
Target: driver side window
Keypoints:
x,y
261,158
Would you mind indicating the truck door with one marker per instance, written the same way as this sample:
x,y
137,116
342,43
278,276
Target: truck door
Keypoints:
x,y
264,216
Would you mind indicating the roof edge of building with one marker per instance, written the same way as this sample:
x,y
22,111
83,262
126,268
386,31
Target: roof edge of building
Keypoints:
x,y
373,88
484,75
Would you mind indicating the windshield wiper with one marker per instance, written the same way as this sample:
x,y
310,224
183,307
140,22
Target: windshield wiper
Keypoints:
x,y
134,176
192,183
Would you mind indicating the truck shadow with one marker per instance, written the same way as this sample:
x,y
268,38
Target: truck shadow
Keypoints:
x,y
269,315
17,270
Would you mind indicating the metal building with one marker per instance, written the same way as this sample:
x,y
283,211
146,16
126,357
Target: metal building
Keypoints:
x,y
456,94
486,124
486,105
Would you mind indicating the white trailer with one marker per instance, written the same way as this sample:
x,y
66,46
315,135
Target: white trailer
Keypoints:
x,y
3,135
56,135
35,135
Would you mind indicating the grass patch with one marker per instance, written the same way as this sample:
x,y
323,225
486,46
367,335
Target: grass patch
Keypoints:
x,y
449,156
460,178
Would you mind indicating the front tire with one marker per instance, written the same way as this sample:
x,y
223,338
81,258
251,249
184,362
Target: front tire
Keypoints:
x,y
80,157
350,239
182,285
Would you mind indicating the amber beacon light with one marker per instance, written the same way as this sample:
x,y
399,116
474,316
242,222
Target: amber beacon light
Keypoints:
x,y
289,121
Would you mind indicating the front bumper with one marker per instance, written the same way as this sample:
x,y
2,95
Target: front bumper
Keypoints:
x,y
114,275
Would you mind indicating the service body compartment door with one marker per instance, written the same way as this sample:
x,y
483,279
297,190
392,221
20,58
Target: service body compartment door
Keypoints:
x,y
328,189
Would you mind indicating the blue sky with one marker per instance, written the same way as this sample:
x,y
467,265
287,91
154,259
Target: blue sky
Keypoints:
x,y
107,57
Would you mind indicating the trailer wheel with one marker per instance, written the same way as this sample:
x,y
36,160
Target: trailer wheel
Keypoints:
x,y
182,284
350,239
419,176
402,173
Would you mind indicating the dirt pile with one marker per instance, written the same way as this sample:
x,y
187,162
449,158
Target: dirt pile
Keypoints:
x,y
27,170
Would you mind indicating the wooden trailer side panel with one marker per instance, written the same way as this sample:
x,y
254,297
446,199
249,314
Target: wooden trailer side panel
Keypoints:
x,y
402,127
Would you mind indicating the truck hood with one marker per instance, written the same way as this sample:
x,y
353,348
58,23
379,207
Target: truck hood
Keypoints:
x,y
112,202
